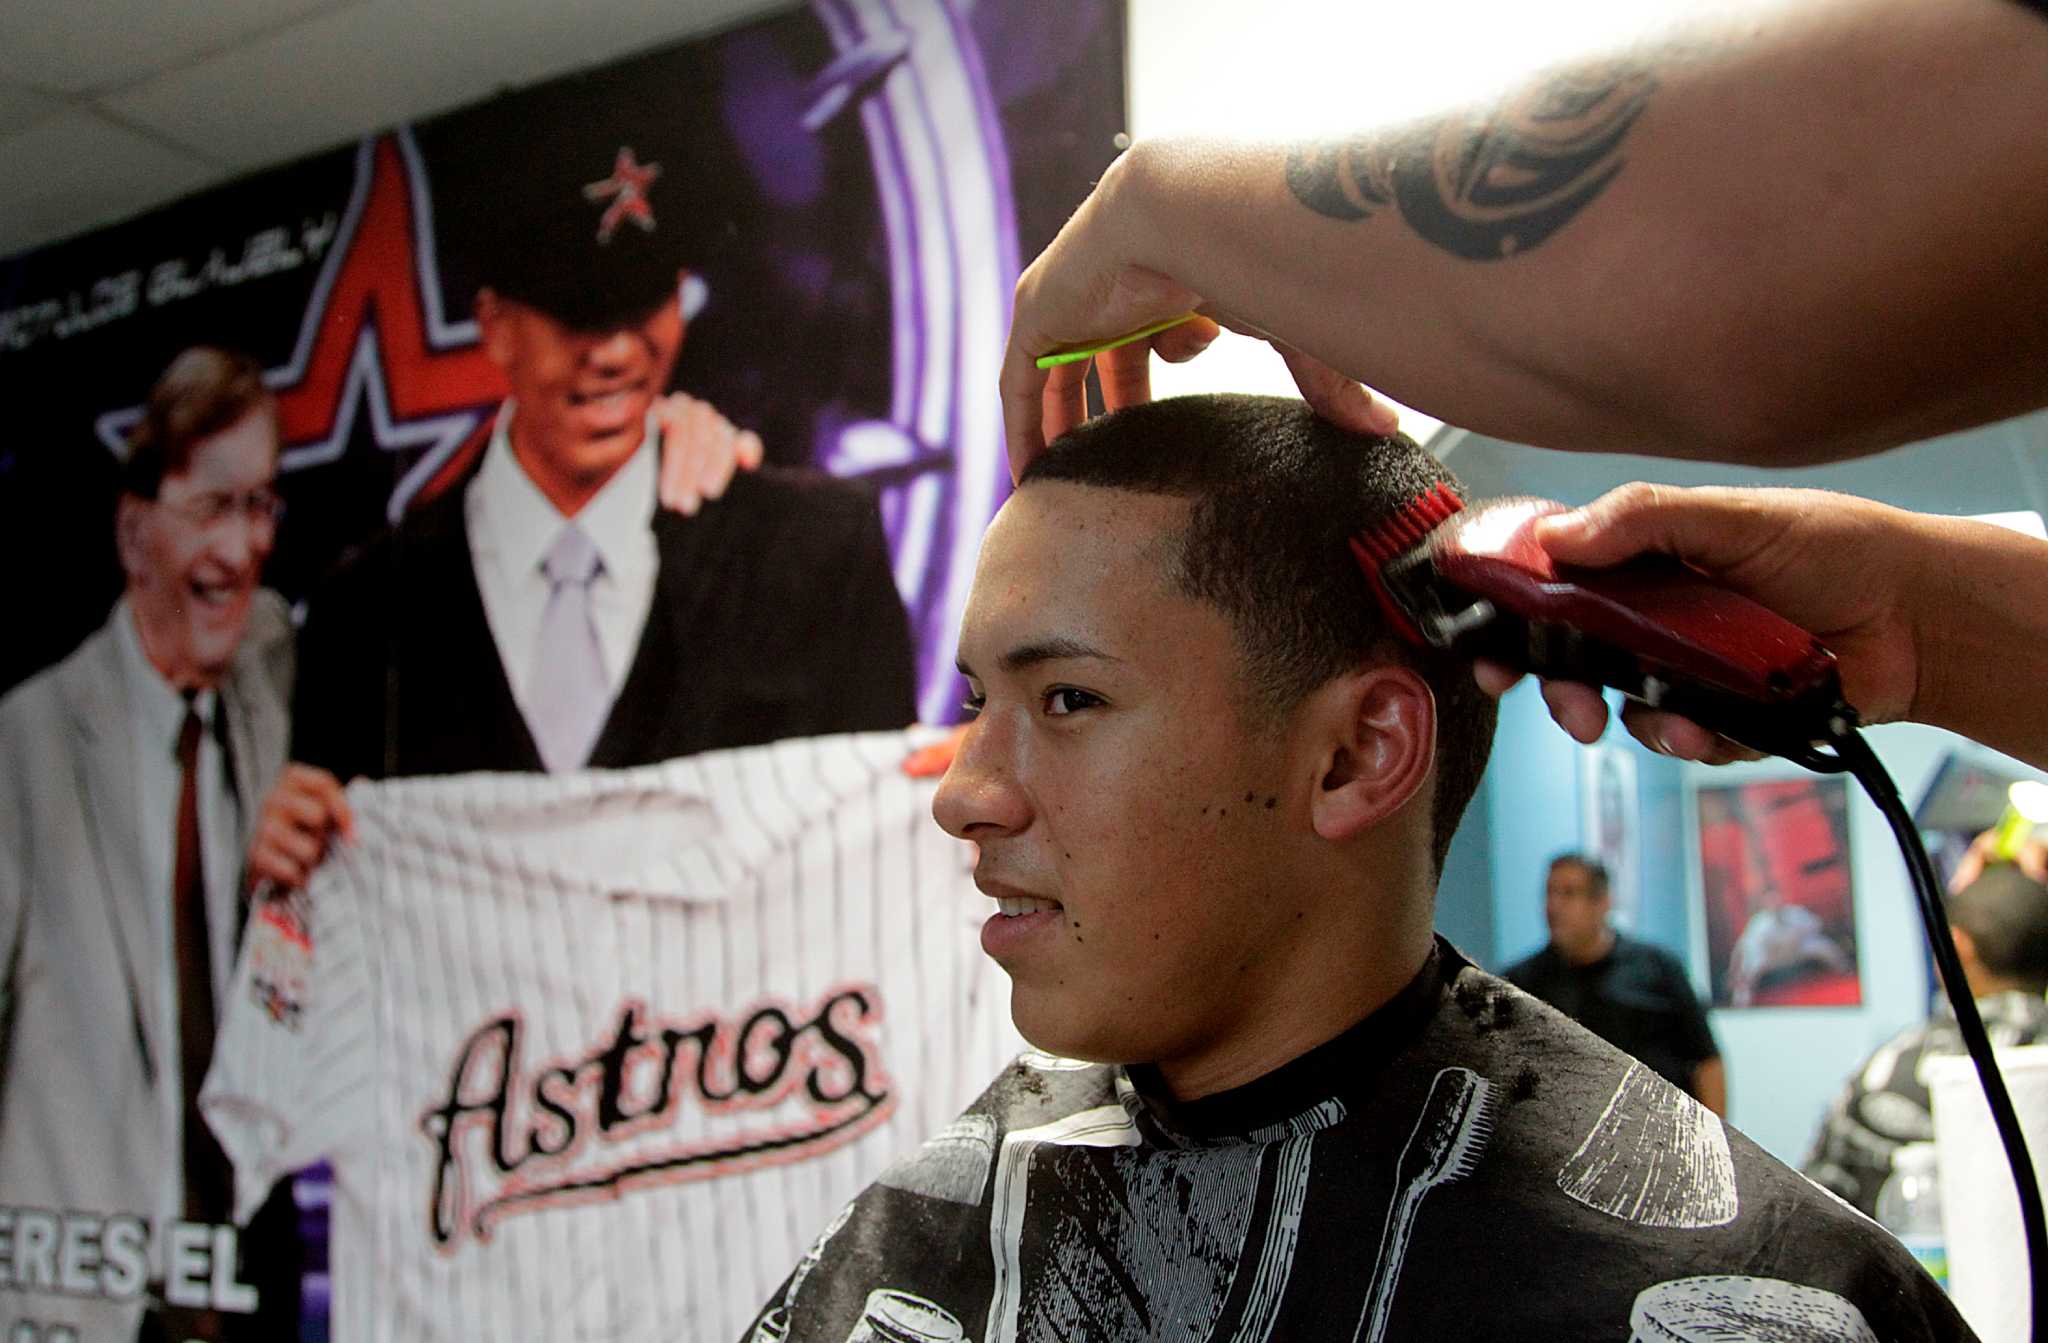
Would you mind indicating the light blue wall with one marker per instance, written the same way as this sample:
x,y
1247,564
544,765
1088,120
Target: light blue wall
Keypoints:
x,y
1532,806
1464,899
1664,801
1532,809
1784,1064
1996,469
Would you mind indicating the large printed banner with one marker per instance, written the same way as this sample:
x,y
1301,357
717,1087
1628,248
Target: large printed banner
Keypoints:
x,y
348,471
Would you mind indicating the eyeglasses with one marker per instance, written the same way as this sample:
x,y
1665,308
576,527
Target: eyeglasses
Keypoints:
x,y
260,508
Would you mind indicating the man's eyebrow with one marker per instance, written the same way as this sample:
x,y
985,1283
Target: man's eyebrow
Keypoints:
x,y
1056,649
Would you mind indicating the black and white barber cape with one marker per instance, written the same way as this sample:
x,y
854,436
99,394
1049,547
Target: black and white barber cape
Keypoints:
x,y
1465,1163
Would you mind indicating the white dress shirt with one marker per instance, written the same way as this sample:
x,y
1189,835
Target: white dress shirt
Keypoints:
x,y
511,528
159,716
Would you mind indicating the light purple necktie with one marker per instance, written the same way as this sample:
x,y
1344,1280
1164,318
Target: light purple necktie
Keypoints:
x,y
569,695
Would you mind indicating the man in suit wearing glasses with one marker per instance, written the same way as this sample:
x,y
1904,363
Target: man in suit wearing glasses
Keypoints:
x,y
134,770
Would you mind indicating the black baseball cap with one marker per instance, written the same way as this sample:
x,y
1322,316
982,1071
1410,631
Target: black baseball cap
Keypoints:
x,y
586,197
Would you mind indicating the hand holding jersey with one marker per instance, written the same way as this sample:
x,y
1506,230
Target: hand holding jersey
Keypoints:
x,y
307,810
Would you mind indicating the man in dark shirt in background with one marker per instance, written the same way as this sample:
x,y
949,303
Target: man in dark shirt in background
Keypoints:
x,y
1629,993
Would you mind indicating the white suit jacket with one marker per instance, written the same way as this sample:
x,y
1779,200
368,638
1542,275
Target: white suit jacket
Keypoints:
x,y
84,1039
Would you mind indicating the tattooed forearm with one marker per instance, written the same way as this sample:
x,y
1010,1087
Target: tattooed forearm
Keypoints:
x,y
1489,183
1345,180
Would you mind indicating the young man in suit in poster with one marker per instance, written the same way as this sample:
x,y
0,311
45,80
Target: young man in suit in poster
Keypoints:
x,y
543,612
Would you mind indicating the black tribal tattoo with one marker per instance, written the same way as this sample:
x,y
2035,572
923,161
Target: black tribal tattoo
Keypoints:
x,y
1490,183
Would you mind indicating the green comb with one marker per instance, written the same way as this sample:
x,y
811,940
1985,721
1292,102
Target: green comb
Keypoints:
x,y
1074,356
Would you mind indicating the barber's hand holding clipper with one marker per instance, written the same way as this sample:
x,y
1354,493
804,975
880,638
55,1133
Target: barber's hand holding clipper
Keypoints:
x,y
1932,619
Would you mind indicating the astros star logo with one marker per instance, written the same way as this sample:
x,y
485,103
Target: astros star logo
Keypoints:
x,y
374,343
627,190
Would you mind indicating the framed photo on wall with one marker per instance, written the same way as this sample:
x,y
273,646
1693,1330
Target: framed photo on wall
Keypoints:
x,y
1610,826
1778,891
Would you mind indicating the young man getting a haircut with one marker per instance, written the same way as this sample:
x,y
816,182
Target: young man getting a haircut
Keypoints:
x,y
1212,796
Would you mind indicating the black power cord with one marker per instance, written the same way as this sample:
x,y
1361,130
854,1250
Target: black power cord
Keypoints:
x,y
1861,762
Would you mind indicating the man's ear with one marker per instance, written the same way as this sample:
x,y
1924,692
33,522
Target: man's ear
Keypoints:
x,y
1966,948
691,294
492,324
1379,747
128,516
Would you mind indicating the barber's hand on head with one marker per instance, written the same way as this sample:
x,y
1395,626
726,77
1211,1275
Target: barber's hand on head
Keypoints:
x,y
700,451
307,808
1830,563
1084,289
2032,859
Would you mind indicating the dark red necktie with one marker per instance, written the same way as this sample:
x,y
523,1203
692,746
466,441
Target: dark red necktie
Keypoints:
x,y
209,1182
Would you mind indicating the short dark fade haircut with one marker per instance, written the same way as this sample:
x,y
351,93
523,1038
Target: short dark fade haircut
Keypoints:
x,y
2005,912
203,391
1595,870
1276,495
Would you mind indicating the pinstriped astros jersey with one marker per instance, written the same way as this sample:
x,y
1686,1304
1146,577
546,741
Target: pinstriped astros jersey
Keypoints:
x,y
595,1056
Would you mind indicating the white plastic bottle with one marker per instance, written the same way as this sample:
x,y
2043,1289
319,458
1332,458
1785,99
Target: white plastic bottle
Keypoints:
x,y
1909,1206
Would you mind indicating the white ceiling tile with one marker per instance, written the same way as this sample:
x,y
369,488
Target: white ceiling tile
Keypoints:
x,y
81,46
538,39
71,172
341,71
22,108
313,85
351,71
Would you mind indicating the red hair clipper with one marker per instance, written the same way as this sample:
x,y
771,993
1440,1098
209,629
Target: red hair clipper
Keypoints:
x,y
1474,581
